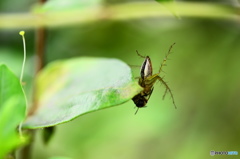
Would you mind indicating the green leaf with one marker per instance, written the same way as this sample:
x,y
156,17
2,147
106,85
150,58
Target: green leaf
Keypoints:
x,y
170,5
12,110
69,88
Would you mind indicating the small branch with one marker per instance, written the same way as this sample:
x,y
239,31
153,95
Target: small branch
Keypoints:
x,y
40,48
40,44
42,1
124,11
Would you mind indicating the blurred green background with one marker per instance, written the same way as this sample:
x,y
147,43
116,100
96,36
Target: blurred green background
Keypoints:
x,y
203,73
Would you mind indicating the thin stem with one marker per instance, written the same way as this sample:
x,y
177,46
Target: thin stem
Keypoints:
x,y
24,55
40,49
21,76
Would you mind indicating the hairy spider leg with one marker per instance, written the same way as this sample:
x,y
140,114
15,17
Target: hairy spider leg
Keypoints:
x,y
152,79
140,55
150,94
136,110
166,58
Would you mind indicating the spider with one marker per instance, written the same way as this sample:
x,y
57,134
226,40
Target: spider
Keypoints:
x,y
147,81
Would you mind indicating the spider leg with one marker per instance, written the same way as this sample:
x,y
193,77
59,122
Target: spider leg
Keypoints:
x,y
136,77
165,59
140,55
167,90
150,94
136,110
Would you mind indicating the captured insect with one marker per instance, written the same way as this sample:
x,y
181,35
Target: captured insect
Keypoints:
x,y
147,81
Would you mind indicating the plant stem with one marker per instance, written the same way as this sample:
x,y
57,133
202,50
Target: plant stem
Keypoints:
x,y
25,152
40,50
24,55
122,11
